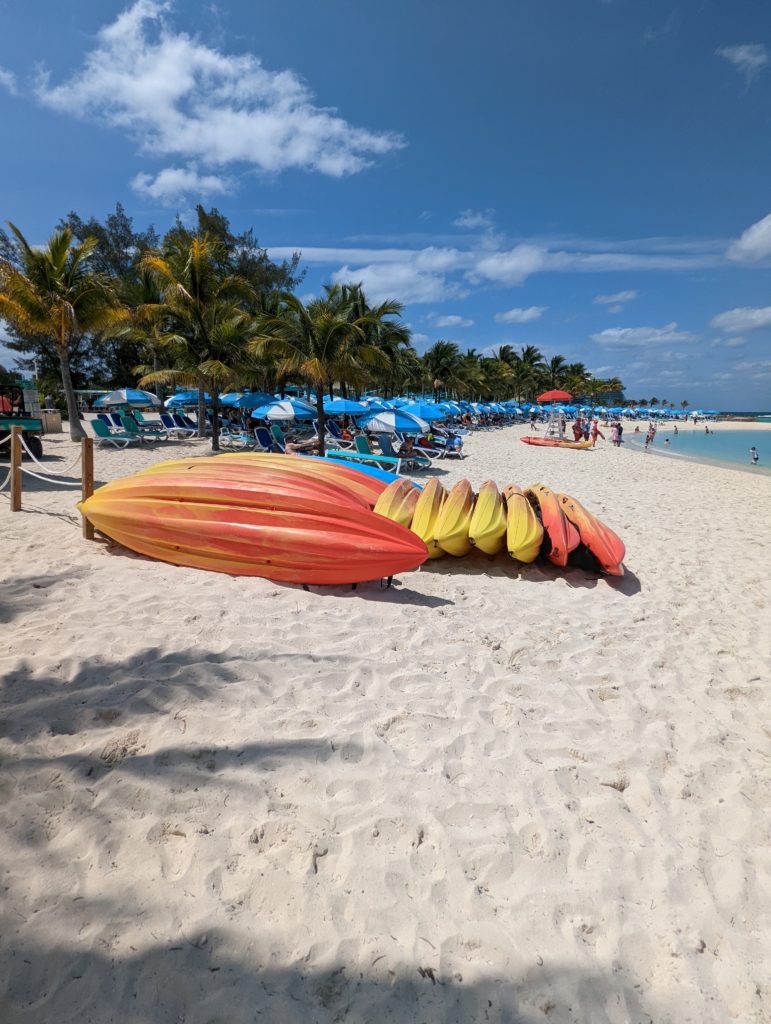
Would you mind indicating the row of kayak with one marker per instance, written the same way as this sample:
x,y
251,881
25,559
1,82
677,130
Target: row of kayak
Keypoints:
x,y
306,520
527,523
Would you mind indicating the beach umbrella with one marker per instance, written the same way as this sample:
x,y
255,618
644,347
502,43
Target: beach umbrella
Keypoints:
x,y
184,398
284,409
344,407
428,411
245,399
555,396
128,397
378,403
393,421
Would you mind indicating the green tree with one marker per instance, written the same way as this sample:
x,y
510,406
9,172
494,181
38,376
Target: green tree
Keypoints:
x,y
203,325
55,294
316,343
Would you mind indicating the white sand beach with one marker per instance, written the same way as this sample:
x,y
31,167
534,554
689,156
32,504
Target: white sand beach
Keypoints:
x,y
486,794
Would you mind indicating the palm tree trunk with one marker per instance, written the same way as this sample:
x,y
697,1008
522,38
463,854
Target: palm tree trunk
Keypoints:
x,y
156,367
215,426
77,433
321,422
201,409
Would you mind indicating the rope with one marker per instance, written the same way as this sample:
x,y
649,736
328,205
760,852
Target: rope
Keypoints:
x,y
50,476
51,479
5,440
7,478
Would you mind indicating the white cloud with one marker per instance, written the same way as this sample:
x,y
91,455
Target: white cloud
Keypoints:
x,y
452,321
474,219
758,368
8,81
402,280
641,337
736,342
743,318
754,244
511,266
520,316
749,59
180,99
615,300
175,182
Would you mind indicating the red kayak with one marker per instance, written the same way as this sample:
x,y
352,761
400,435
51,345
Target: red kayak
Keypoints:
x,y
606,546
562,537
555,442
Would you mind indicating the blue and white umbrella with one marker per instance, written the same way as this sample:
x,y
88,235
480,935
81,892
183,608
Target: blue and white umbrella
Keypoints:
x,y
284,409
393,421
344,407
378,403
182,399
128,397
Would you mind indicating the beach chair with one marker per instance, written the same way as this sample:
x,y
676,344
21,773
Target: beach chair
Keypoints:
x,y
130,426
109,435
334,434
266,442
174,428
382,461
144,424
185,423
115,420
278,438
104,418
415,460
238,439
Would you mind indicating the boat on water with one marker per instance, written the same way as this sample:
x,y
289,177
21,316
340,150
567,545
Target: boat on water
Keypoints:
x,y
555,442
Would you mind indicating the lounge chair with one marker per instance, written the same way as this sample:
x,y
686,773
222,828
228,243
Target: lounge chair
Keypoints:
x,y
265,440
108,435
174,428
239,439
278,437
103,417
335,434
144,424
416,459
130,426
383,461
185,423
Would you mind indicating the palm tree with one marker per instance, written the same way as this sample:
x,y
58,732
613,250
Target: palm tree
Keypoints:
x,y
203,324
55,294
443,361
684,404
317,343
555,371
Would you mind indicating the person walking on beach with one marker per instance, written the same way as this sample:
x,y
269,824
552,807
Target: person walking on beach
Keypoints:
x,y
596,432
754,456
614,435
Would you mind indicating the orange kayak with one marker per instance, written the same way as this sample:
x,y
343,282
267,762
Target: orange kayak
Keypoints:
x,y
555,442
606,546
274,525
561,534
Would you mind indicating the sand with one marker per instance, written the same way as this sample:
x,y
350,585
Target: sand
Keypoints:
x,y
483,795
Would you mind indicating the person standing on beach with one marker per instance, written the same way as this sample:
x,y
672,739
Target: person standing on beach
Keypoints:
x,y
596,432
754,456
614,435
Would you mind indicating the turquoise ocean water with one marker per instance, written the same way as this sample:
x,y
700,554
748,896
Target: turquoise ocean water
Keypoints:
x,y
726,446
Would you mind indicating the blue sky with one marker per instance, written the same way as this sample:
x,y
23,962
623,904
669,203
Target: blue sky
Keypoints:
x,y
589,176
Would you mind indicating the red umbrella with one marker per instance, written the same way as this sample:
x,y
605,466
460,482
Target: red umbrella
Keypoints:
x,y
554,396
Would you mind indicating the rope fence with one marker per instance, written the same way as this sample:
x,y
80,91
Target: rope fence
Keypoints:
x,y
85,459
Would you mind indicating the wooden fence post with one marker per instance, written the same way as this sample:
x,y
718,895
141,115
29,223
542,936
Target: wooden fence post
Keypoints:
x,y
87,480
16,452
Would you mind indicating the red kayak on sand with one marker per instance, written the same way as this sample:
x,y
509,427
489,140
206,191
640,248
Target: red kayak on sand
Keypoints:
x,y
560,533
606,546
555,442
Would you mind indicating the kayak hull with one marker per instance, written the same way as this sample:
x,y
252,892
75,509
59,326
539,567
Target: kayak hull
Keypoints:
x,y
487,529
426,516
524,532
454,520
555,442
606,546
560,535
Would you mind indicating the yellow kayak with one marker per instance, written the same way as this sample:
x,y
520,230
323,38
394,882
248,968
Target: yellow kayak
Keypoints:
x,y
487,530
426,515
524,533
398,502
454,520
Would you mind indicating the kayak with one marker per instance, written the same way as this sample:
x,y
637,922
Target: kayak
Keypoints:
x,y
555,442
561,536
452,527
279,526
426,516
524,532
398,501
606,546
487,529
